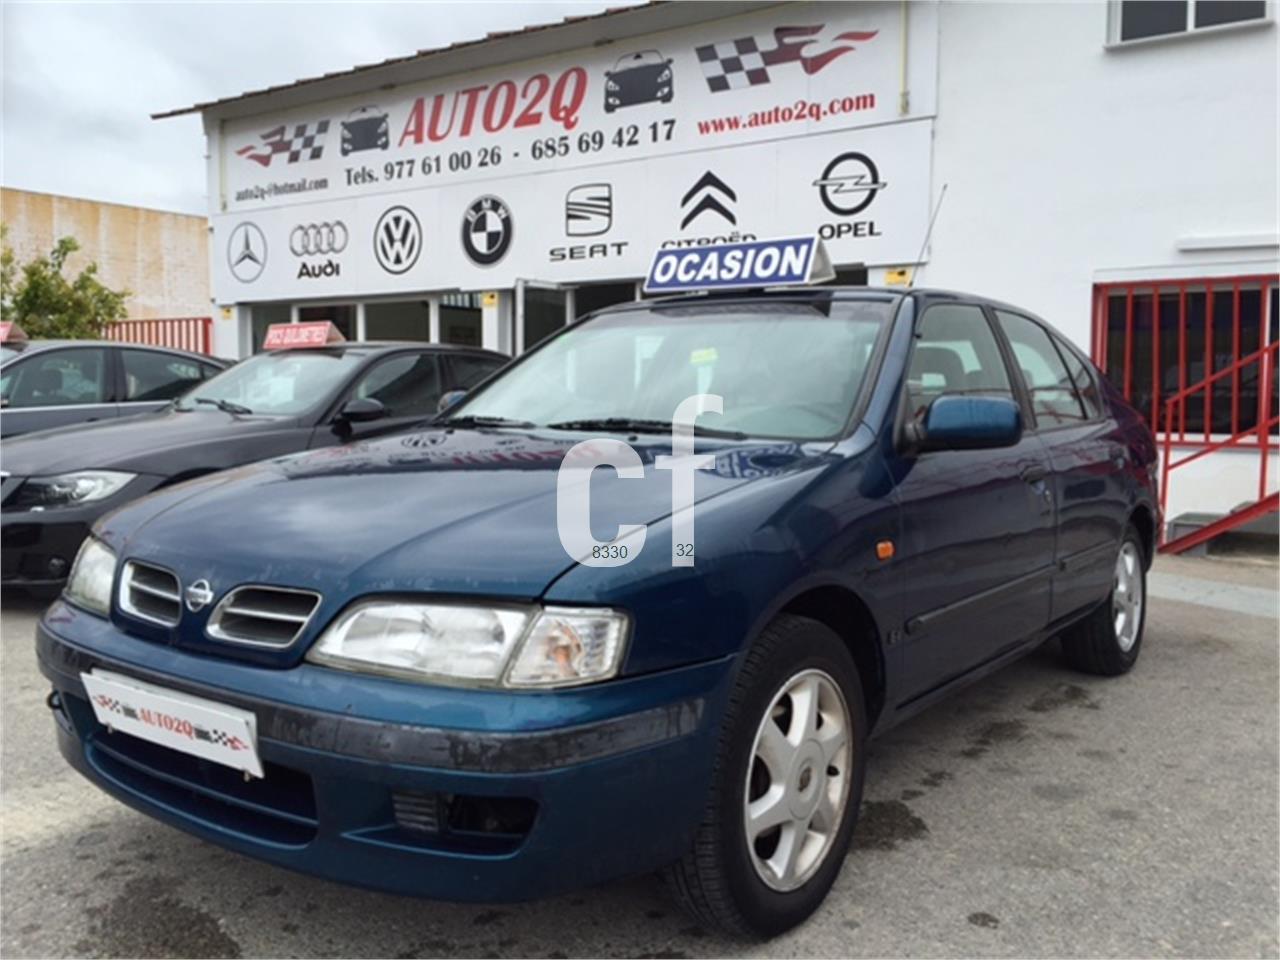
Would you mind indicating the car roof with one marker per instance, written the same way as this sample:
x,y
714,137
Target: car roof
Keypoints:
x,y
814,294
386,346
25,347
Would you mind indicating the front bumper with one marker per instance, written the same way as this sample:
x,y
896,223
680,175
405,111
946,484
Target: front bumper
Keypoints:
x,y
362,785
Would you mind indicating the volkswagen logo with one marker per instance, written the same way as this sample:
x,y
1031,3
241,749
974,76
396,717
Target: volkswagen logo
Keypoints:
x,y
246,252
311,239
397,240
198,595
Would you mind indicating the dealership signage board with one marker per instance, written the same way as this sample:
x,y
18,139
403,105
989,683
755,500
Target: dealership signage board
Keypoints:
x,y
575,167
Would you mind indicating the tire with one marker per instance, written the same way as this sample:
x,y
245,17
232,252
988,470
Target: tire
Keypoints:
x,y
722,881
1107,642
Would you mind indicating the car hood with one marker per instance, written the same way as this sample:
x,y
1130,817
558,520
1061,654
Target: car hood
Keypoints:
x,y
137,444
445,511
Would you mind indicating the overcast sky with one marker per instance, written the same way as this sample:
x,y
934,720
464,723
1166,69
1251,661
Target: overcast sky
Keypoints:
x,y
81,79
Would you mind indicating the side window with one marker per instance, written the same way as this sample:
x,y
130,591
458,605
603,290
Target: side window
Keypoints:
x,y
408,385
1053,396
467,371
208,370
955,352
1085,382
58,378
151,376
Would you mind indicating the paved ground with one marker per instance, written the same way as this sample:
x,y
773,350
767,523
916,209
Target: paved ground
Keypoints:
x,y
1040,813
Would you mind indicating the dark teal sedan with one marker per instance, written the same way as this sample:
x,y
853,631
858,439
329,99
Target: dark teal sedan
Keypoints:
x,y
491,659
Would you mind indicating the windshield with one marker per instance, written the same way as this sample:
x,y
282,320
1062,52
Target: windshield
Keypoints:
x,y
278,384
783,370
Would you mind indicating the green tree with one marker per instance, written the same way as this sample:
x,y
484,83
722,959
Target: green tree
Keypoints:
x,y
45,303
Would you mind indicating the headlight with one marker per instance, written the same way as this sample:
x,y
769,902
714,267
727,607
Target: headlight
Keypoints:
x,y
665,75
85,486
475,646
89,585
611,85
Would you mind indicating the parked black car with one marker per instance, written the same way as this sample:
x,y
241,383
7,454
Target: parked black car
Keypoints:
x,y
643,77
57,483
53,383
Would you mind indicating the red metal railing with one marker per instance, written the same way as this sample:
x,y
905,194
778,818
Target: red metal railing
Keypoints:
x,y
1260,433
181,333
1118,306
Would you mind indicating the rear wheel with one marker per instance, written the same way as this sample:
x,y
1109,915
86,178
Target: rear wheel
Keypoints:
x,y
786,788
1107,642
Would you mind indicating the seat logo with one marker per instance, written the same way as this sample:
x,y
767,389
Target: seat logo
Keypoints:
x,y
198,595
246,252
310,239
588,210
397,240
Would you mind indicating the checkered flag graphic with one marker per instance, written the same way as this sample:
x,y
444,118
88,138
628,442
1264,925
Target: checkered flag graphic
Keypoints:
x,y
221,738
732,65
305,143
310,143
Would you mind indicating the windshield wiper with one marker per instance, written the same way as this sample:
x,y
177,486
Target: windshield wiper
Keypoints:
x,y
637,425
226,406
469,420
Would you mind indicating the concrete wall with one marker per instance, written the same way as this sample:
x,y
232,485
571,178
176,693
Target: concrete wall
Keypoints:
x,y
160,257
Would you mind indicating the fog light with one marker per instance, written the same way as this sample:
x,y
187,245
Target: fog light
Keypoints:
x,y
58,567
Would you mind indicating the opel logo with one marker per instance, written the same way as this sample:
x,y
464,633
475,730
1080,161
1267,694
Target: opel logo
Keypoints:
x,y
198,595
318,238
397,240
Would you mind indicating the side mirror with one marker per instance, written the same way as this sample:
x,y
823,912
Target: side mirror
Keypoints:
x,y
450,399
968,423
362,410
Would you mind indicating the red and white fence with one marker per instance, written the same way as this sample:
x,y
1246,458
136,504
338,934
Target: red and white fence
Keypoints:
x,y
181,333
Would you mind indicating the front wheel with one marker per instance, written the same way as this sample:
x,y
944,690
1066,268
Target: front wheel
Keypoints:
x,y
1107,641
786,786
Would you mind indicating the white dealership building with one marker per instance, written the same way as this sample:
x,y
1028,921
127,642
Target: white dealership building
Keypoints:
x,y
1109,165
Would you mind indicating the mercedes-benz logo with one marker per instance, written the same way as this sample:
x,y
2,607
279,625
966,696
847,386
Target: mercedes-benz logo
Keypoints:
x,y
486,230
198,595
397,240
849,184
318,238
246,252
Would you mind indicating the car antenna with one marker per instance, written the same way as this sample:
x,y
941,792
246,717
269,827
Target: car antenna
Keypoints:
x,y
927,234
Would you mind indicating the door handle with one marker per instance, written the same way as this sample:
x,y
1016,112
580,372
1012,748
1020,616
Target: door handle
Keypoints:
x,y
1034,473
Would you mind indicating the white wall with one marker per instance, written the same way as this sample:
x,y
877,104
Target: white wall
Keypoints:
x,y
1066,159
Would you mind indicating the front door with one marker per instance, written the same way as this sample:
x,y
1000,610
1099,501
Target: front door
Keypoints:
x,y
977,525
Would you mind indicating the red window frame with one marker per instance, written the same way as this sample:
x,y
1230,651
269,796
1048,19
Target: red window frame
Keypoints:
x,y
1149,293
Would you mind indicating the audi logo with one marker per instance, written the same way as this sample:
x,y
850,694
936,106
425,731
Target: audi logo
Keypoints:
x,y
316,238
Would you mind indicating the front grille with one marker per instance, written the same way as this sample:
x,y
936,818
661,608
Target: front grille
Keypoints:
x,y
279,809
263,616
150,593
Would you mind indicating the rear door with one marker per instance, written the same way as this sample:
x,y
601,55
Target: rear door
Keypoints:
x,y
151,378
976,548
1086,454
56,388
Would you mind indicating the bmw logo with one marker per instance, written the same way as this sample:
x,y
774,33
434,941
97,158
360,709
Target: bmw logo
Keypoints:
x,y
486,231
198,595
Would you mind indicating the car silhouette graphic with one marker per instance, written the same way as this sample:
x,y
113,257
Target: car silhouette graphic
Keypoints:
x,y
643,77
365,129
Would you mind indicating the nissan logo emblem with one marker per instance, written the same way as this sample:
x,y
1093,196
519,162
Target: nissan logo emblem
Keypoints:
x,y
198,595
318,238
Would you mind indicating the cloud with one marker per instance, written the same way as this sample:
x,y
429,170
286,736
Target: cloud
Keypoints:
x,y
80,80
